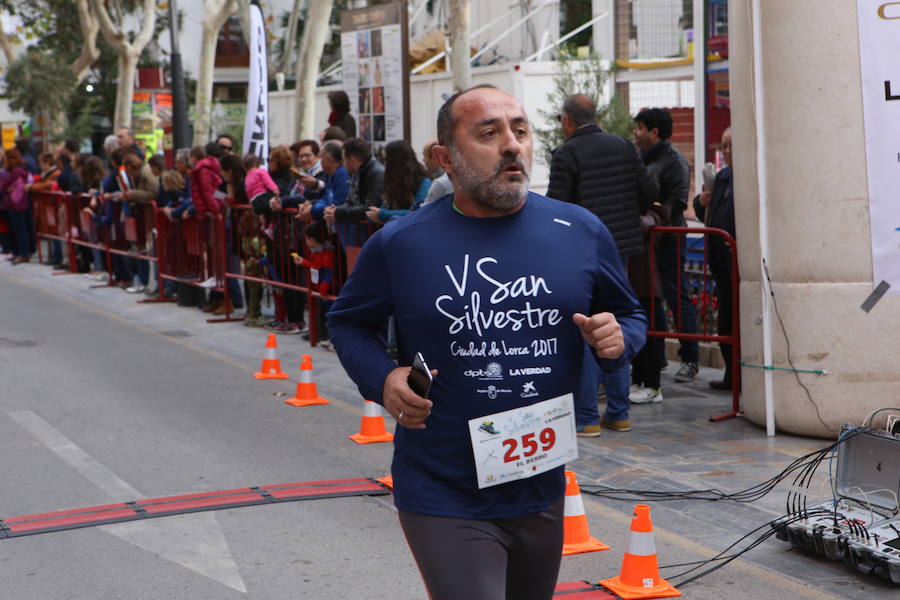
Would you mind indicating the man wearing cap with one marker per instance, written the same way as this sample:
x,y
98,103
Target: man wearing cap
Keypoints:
x,y
498,288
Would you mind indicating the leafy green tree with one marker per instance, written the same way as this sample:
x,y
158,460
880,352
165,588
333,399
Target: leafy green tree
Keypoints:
x,y
38,83
589,77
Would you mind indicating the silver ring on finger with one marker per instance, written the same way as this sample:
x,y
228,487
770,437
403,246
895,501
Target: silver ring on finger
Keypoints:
x,y
400,416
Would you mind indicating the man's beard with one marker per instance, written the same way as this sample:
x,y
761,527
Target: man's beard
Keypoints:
x,y
489,190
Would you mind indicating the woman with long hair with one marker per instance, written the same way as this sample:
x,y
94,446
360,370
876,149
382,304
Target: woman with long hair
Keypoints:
x,y
340,115
405,183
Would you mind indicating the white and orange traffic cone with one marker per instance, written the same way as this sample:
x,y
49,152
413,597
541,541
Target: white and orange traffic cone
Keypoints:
x,y
372,428
576,534
271,366
307,393
639,576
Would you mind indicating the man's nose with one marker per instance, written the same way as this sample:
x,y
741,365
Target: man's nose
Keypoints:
x,y
510,145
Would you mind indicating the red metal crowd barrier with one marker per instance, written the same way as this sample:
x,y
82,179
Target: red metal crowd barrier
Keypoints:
x,y
704,303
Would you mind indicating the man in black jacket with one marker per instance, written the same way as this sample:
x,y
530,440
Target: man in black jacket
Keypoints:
x,y
653,128
716,209
603,173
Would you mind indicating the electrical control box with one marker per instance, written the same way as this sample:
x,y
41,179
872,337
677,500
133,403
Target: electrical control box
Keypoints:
x,y
862,527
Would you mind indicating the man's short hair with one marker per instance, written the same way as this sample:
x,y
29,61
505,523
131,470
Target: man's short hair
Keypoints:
x,y
71,145
48,159
580,109
227,137
157,162
334,133
117,156
110,143
358,148
334,149
313,230
445,121
656,118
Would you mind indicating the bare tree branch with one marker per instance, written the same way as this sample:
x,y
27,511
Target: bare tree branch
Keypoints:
x,y
89,30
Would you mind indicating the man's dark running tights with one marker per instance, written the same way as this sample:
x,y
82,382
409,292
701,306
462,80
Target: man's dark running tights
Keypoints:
x,y
503,559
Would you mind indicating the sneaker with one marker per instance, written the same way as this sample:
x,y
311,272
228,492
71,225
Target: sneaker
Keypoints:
x,y
99,276
646,395
305,335
687,372
208,283
623,425
289,329
326,345
135,289
588,431
273,325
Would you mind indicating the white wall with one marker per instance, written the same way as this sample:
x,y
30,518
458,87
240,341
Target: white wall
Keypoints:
x,y
529,83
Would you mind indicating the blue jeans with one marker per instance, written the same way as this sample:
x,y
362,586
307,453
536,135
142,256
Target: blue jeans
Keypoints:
x,y
670,270
617,384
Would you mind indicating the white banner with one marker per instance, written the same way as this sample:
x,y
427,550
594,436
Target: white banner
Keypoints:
x,y
879,49
256,127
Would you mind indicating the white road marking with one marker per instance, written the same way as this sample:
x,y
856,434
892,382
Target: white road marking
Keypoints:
x,y
195,541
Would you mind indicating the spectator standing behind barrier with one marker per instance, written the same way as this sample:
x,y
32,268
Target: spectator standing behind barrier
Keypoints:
x,y
447,273
26,151
205,180
320,261
125,138
112,201
716,209
233,176
46,182
603,173
92,173
440,181
337,180
289,304
340,115
366,189
653,128
15,202
405,183
140,197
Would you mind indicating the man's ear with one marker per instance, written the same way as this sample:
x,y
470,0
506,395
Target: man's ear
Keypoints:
x,y
441,155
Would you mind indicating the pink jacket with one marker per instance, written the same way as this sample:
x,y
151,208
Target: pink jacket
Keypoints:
x,y
258,181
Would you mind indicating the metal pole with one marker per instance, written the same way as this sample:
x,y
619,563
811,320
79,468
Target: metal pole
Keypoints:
x,y
180,133
699,92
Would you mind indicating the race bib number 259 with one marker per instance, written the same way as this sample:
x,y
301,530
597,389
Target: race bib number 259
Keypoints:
x,y
522,442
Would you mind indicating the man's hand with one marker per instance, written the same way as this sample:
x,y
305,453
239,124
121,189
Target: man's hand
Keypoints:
x,y
304,212
329,213
275,204
372,214
602,333
308,180
705,197
407,407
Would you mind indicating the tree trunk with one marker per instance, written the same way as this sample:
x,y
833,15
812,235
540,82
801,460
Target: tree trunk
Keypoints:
x,y
458,25
129,53
125,88
7,47
289,38
315,32
215,13
89,30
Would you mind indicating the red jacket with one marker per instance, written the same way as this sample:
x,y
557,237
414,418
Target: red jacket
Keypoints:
x,y
205,180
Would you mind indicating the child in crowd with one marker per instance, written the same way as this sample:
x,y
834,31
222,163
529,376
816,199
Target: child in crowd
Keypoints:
x,y
259,185
320,261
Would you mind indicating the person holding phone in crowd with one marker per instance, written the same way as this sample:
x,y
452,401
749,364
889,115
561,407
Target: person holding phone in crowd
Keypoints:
x,y
498,288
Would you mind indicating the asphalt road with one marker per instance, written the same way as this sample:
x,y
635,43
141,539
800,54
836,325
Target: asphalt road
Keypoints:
x,y
105,400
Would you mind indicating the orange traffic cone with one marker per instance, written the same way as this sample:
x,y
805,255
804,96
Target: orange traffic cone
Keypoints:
x,y
639,576
271,366
372,429
307,394
577,537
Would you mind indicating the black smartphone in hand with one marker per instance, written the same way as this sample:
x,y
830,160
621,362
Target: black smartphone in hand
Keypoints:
x,y
420,377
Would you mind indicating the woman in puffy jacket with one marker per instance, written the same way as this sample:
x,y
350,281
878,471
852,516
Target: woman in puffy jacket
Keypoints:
x,y
14,198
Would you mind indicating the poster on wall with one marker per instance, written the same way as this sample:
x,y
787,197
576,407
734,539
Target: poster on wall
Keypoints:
x,y
879,47
374,49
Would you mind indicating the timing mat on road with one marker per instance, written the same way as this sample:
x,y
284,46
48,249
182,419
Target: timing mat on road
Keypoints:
x,y
178,505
